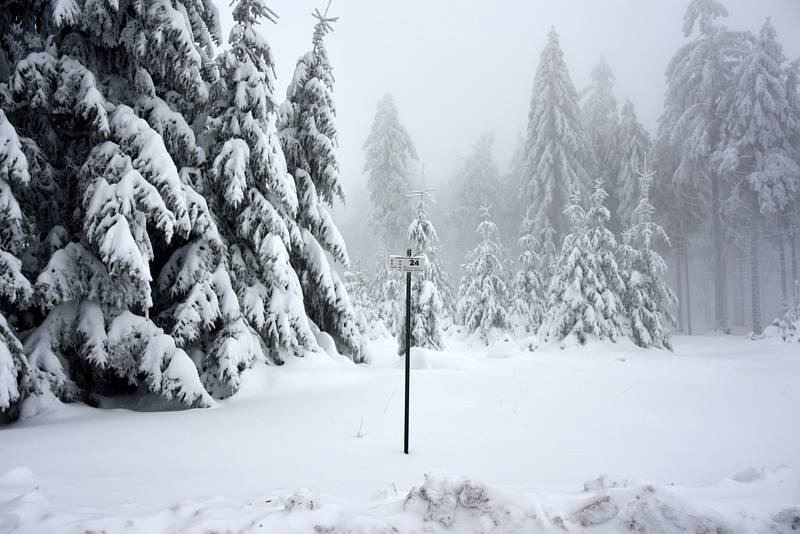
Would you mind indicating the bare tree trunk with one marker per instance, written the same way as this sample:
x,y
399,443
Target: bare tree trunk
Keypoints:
x,y
782,267
688,287
793,247
679,285
740,299
745,281
721,321
755,284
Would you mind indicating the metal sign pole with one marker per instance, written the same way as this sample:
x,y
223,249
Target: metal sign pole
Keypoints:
x,y
408,351
407,264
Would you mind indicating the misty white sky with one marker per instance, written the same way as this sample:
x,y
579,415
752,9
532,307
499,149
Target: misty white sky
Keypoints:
x,y
458,68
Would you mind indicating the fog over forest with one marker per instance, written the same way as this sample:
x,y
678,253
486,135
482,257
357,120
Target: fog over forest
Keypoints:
x,y
457,70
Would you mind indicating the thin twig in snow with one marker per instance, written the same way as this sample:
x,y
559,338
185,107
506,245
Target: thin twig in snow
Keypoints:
x,y
360,434
389,401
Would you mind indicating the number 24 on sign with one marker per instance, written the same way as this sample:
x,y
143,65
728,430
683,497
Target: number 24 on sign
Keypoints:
x,y
406,263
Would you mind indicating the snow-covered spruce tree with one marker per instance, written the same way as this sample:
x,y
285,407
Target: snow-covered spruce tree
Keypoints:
x,y
364,313
699,78
558,154
308,136
758,145
16,381
601,121
604,245
634,144
579,304
483,296
430,289
389,153
386,291
537,256
424,239
477,182
101,96
254,196
648,300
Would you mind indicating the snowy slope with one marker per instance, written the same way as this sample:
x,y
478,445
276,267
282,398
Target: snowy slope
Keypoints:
x,y
532,425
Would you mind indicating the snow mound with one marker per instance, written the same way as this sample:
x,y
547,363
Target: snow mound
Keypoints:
x,y
16,476
469,506
303,499
749,475
529,343
439,505
468,502
502,350
788,517
605,482
646,508
423,359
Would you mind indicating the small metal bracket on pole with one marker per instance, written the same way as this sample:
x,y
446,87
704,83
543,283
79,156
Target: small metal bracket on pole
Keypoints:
x,y
407,264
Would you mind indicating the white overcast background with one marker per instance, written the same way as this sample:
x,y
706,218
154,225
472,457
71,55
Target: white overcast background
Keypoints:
x,y
459,68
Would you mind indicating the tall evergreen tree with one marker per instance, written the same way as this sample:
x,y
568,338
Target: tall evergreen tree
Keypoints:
x,y
101,95
483,295
558,154
16,380
390,154
690,129
634,144
792,219
758,145
256,204
162,213
308,136
601,120
477,183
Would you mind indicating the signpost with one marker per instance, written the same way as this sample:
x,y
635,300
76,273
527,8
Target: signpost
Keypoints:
x,y
407,264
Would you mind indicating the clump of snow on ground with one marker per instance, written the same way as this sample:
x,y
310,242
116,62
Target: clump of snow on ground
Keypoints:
x,y
439,504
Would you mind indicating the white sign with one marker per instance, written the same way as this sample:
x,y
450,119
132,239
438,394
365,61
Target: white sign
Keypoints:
x,y
407,263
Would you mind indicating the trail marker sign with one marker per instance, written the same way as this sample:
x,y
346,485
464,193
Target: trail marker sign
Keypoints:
x,y
407,264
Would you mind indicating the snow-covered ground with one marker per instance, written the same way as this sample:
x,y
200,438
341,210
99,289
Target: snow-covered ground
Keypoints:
x,y
701,439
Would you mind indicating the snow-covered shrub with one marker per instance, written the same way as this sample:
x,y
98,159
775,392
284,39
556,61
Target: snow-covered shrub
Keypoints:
x,y
365,314
430,289
483,296
788,324
583,299
648,300
536,260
